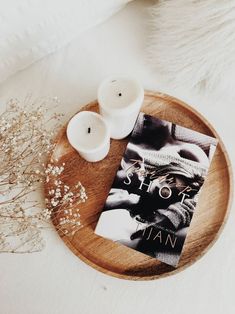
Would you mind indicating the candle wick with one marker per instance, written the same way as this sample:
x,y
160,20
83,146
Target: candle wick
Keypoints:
x,y
89,130
120,94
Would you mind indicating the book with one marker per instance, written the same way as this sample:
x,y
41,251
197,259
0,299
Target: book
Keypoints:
x,y
154,194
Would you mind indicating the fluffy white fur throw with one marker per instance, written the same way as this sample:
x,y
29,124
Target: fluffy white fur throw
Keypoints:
x,y
30,29
193,43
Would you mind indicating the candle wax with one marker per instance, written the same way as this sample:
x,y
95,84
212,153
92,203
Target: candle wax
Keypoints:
x,y
89,134
119,93
120,99
92,140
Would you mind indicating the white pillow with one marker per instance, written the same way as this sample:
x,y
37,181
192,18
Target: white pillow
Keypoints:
x,y
30,29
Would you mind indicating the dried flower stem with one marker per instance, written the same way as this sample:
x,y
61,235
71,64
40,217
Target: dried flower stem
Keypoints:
x,y
26,142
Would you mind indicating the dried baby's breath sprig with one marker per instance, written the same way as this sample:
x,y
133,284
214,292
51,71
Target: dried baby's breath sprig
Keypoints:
x,y
26,140
64,200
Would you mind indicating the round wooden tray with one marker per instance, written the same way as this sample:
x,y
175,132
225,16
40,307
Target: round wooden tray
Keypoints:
x,y
115,259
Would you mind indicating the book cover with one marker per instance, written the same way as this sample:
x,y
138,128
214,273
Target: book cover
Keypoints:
x,y
154,194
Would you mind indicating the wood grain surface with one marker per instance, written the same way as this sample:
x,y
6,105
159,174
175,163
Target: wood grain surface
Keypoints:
x,y
113,258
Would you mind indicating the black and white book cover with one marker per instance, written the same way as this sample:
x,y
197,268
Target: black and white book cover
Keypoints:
x,y
154,194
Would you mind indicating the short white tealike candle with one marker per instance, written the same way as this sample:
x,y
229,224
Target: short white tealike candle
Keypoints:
x,y
120,99
89,134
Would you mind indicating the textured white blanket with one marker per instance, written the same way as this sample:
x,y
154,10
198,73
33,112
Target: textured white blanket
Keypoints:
x,y
193,44
30,29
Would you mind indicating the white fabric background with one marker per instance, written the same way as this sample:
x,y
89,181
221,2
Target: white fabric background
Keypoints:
x,y
55,281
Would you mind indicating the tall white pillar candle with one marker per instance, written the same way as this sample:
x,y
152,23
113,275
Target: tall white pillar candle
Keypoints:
x,y
89,134
120,100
